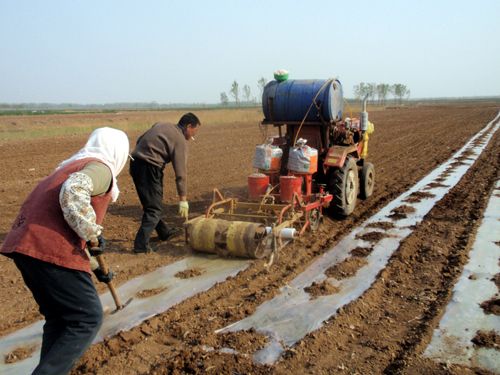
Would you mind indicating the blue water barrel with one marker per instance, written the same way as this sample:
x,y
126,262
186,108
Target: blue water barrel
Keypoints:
x,y
288,101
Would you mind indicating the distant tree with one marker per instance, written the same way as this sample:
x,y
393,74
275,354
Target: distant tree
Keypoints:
x,y
361,90
247,93
400,91
382,91
262,83
235,92
224,99
371,90
357,90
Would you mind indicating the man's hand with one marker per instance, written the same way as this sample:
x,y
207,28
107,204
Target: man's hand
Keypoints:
x,y
96,247
184,209
102,277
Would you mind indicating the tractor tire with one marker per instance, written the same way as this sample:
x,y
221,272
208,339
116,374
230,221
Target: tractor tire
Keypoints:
x,y
344,186
367,180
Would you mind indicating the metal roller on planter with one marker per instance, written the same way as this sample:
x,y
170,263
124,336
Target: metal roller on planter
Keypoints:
x,y
227,238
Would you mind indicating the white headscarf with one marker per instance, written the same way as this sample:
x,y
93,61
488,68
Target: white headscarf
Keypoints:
x,y
111,146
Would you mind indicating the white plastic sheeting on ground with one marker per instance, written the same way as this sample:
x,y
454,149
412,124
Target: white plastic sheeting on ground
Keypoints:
x,y
291,315
464,317
174,290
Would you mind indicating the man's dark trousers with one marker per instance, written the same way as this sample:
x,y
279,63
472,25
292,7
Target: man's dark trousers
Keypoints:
x,y
148,181
73,312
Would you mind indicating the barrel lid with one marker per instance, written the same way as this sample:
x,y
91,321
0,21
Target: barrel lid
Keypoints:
x,y
281,75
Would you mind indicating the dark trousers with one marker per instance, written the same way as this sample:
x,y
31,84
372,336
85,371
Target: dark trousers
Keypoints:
x,y
73,312
148,181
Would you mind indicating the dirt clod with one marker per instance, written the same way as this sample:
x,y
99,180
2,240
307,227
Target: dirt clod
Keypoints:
x,y
418,196
186,274
433,185
361,251
382,225
347,268
401,212
150,292
372,237
19,354
487,339
243,341
491,306
321,289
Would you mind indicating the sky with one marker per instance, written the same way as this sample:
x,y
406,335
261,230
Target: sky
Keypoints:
x,y
189,51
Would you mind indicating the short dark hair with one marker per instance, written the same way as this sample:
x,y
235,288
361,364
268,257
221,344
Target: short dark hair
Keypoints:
x,y
189,118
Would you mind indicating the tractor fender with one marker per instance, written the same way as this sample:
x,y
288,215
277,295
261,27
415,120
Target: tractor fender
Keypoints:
x,y
337,155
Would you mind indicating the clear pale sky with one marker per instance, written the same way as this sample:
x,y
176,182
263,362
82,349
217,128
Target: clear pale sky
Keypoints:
x,y
190,51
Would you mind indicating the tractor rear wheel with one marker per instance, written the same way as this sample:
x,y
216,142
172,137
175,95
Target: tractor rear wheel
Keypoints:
x,y
367,180
344,186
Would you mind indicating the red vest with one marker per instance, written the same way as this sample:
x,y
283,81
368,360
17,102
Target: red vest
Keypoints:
x,y
40,230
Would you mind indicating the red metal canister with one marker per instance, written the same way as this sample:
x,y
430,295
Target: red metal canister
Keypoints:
x,y
257,185
288,186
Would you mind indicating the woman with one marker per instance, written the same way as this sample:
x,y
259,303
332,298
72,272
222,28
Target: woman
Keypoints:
x,y
48,242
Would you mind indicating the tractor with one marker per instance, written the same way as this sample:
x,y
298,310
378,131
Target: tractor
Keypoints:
x,y
316,163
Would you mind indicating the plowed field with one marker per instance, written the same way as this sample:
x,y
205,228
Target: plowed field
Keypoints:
x,y
384,331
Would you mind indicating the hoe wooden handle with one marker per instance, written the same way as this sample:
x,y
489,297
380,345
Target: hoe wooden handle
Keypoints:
x,y
105,270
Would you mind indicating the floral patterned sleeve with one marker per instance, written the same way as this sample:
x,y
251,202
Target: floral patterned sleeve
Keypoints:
x,y
74,199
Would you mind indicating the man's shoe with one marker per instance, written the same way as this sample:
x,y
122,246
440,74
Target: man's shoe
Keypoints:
x,y
172,232
140,250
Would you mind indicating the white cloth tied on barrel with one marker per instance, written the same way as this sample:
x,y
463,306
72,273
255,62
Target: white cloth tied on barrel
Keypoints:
x,y
302,158
267,157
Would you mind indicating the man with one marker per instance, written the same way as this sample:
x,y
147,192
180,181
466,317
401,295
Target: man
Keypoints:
x,y
162,144
48,243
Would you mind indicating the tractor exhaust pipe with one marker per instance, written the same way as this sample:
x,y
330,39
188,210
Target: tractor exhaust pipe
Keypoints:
x,y
364,115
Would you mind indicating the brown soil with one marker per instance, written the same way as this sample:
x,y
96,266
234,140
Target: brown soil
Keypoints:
x,y
149,292
361,251
19,354
243,341
496,279
321,289
347,268
491,306
384,331
418,196
401,212
487,339
186,274
456,164
372,236
433,185
382,225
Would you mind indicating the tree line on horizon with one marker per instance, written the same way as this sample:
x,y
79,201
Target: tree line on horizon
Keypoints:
x,y
380,91
375,91
234,91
